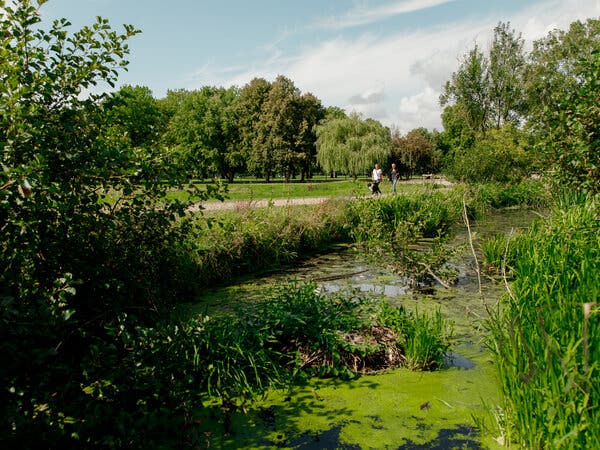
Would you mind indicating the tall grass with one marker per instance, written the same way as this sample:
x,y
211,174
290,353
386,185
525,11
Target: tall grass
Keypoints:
x,y
545,333
226,244
249,240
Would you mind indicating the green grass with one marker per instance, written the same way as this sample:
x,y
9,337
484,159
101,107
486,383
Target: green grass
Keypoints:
x,y
546,331
249,189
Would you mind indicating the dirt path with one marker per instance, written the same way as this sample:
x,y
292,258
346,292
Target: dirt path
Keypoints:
x,y
243,204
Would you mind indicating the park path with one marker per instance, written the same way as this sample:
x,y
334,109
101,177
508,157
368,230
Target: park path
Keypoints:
x,y
244,204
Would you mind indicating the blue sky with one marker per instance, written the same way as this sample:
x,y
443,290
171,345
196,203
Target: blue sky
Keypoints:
x,y
386,59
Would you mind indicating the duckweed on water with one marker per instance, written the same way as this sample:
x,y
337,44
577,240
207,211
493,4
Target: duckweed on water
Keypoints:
x,y
400,409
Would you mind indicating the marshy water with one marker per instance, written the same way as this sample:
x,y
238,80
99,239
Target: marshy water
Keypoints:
x,y
454,407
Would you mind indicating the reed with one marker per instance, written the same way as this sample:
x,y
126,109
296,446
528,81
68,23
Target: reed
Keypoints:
x,y
248,240
544,334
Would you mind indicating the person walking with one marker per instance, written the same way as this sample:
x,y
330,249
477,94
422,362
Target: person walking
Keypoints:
x,y
376,177
394,177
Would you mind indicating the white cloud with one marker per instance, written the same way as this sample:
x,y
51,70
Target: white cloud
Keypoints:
x,y
419,110
363,15
398,78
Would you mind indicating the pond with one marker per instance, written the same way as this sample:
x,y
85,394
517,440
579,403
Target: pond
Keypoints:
x,y
455,407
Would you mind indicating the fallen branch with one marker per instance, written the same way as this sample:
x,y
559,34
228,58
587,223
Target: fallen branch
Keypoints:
x,y
433,275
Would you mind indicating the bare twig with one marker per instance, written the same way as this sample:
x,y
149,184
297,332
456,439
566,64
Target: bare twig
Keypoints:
x,y
434,276
466,219
504,277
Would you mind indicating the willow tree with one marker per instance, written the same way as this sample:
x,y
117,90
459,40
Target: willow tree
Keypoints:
x,y
352,145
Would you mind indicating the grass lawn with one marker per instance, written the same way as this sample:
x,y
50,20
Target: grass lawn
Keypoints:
x,y
252,189
279,189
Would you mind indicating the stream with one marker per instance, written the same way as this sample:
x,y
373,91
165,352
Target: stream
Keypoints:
x,y
455,407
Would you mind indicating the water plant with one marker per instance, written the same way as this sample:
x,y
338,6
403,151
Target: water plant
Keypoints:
x,y
543,334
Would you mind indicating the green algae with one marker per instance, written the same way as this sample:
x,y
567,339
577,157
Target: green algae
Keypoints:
x,y
383,411
450,408
397,409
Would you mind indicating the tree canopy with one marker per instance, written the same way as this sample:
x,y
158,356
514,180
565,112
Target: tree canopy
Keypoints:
x,y
352,145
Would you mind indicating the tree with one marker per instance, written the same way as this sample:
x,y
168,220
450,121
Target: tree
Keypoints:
x,y
502,155
505,73
415,153
488,89
572,130
555,66
468,90
310,112
204,133
351,145
248,112
87,238
284,131
136,113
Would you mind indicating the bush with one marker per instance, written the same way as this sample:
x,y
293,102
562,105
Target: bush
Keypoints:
x,y
502,155
254,239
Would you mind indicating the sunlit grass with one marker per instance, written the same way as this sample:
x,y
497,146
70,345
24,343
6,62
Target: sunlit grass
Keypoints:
x,y
546,331
337,188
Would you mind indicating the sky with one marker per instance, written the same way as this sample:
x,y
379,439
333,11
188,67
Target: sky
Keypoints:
x,y
385,59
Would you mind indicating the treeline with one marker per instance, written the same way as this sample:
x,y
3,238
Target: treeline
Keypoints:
x,y
506,115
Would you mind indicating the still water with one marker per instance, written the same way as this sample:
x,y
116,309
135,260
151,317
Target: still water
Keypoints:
x,y
456,407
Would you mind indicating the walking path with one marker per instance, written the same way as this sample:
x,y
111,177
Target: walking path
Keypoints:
x,y
244,204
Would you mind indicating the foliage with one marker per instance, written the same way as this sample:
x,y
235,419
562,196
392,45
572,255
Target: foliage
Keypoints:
x,y
484,104
248,111
203,131
488,89
72,261
425,338
572,132
505,76
346,334
543,333
135,113
534,193
415,153
351,145
467,88
253,239
555,69
503,155
407,232
284,140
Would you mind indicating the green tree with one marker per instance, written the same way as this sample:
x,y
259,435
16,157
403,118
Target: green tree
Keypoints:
x,y
352,145
415,153
203,131
468,90
135,112
572,129
505,76
555,65
501,155
485,93
488,89
87,235
284,133
309,112
248,112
